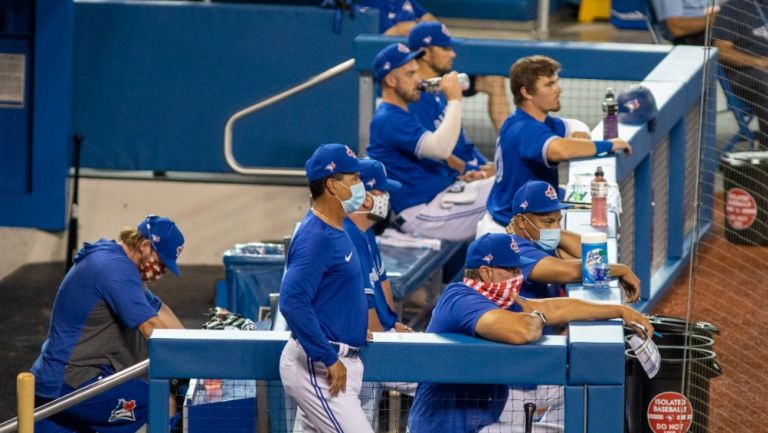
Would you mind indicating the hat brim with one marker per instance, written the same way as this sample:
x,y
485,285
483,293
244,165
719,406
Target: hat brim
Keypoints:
x,y
168,263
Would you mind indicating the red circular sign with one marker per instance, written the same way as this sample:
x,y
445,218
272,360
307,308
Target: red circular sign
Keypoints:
x,y
670,412
740,208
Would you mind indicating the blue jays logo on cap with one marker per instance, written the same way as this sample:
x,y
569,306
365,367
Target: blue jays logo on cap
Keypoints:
x,y
488,258
375,177
350,152
632,105
331,166
536,196
551,193
430,33
513,245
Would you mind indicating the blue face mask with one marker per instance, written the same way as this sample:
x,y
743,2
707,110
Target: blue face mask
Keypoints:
x,y
549,239
358,197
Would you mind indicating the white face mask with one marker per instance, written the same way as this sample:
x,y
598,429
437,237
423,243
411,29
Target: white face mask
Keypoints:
x,y
380,205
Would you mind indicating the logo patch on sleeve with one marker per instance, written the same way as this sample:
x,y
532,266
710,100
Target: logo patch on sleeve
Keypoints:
x,y
123,411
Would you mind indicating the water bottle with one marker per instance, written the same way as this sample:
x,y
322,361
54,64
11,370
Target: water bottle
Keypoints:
x,y
433,84
599,192
594,260
610,121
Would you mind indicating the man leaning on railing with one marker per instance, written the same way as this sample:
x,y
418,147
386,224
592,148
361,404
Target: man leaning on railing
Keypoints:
x,y
101,307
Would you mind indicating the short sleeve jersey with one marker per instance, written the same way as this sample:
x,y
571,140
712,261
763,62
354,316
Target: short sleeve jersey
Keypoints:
x,y
666,9
430,111
322,296
521,156
532,289
99,301
739,21
392,12
395,136
449,408
373,272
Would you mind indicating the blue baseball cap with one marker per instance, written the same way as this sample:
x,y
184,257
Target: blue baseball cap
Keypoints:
x,y
536,196
333,158
392,57
375,177
166,239
430,33
497,250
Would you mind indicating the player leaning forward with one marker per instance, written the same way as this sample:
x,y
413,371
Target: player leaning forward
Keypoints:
x,y
482,306
323,300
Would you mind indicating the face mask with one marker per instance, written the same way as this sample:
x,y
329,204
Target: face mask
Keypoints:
x,y
499,293
152,269
549,239
380,205
358,197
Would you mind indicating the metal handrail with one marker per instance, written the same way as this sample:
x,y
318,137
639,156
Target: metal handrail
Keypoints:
x,y
229,156
52,408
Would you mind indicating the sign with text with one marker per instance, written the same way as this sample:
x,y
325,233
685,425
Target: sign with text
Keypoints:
x,y
670,412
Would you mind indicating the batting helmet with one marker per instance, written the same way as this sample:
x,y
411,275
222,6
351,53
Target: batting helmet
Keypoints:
x,y
636,105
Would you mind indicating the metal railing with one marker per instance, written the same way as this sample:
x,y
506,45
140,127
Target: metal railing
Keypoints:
x,y
52,408
228,154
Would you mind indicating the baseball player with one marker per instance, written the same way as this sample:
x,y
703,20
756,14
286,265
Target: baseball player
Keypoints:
x,y
531,143
434,39
397,17
482,306
100,306
323,301
431,203
554,254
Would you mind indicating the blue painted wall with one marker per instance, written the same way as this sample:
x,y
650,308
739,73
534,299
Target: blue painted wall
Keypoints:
x,y
156,82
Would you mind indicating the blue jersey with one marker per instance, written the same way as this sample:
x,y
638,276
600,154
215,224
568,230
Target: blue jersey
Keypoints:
x,y
532,289
392,12
322,296
395,138
98,307
520,157
448,408
373,268
430,110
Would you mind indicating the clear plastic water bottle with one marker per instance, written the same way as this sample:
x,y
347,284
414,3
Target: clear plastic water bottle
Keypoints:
x,y
599,192
594,260
433,84
610,121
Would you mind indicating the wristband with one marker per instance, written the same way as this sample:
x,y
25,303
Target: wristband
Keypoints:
x,y
541,316
603,146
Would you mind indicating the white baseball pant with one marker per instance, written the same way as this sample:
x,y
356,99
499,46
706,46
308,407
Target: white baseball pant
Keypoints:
x,y
306,382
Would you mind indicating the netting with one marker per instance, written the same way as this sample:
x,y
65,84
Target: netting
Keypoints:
x,y
216,405
728,385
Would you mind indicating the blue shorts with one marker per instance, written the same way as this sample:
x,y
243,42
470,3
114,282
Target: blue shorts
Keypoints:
x,y
122,409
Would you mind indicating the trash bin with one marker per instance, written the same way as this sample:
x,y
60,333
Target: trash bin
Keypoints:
x,y
677,337
658,404
745,178
253,271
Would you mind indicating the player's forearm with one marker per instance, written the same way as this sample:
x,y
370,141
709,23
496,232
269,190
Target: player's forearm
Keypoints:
x,y
303,322
682,26
439,144
560,311
566,149
570,242
735,57
169,318
556,271
400,29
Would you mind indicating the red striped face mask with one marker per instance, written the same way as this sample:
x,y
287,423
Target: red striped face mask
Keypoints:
x,y
500,293
151,269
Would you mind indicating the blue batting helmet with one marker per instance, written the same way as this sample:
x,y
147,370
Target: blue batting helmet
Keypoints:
x,y
636,105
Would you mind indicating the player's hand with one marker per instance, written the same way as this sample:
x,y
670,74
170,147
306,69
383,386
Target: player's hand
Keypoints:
x,y
450,87
619,145
628,281
456,163
399,327
473,175
523,303
369,335
581,135
337,378
636,320
489,169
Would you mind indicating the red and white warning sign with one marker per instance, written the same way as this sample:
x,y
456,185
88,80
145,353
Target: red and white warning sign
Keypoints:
x,y
740,208
670,412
